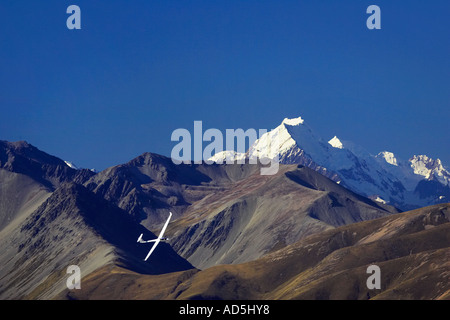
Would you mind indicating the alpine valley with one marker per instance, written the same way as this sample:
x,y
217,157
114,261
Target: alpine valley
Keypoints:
x,y
307,232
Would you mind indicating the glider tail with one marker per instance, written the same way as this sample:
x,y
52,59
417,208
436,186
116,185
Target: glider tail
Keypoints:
x,y
144,241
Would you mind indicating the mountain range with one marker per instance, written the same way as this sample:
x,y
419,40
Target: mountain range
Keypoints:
x,y
417,182
235,234
411,248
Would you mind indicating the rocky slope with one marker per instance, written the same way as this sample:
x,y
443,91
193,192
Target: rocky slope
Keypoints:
x,y
230,213
412,250
260,214
74,227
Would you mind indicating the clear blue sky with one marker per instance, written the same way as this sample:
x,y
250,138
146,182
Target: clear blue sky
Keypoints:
x,y
137,70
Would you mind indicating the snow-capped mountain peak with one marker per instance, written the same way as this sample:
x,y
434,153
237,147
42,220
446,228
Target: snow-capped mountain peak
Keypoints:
x,y
288,142
430,169
293,121
405,184
389,157
336,143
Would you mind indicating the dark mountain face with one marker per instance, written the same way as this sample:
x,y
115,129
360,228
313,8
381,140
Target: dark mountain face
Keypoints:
x,y
150,185
19,196
21,157
431,188
27,177
75,227
49,221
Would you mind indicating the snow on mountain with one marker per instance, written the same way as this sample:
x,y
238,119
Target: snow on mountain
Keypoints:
x,y
291,138
416,169
382,177
388,157
336,143
71,165
430,169
343,161
227,155
420,165
378,199
293,121
74,166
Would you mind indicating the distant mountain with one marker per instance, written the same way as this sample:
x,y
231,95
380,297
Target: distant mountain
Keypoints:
x,y
23,158
28,176
418,182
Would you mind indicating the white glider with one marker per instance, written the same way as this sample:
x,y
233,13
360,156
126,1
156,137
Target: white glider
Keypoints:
x,y
156,241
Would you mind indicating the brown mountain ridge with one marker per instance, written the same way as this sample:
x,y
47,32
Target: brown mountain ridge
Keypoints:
x,y
412,250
